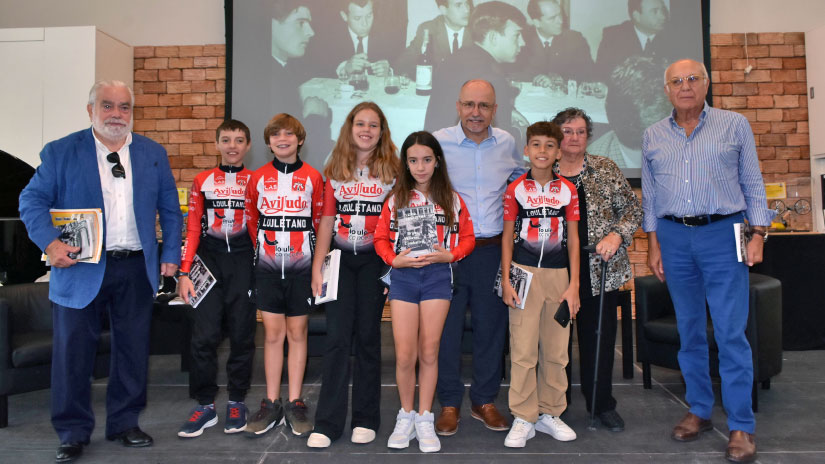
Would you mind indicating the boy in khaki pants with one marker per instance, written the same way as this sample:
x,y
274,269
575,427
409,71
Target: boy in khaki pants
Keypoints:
x,y
537,206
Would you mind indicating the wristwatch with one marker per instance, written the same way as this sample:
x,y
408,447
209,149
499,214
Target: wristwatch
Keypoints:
x,y
761,231
180,274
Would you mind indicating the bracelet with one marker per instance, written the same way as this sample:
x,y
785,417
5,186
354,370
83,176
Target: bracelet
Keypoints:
x,y
180,274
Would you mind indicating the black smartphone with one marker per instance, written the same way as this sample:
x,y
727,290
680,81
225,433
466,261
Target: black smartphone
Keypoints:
x,y
562,315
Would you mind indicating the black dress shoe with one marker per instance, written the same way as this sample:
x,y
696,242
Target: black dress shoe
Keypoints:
x,y
68,452
132,438
612,421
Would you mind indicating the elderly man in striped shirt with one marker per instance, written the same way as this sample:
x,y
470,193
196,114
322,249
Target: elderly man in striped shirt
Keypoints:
x,y
700,176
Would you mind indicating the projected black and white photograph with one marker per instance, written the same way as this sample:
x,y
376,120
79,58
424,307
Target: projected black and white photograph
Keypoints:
x,y
316,59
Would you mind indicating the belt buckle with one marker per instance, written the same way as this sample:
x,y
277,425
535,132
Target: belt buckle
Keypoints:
x,y
120,254
685,223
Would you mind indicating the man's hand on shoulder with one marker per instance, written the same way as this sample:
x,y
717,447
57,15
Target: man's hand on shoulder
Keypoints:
x,y
168,269
58,253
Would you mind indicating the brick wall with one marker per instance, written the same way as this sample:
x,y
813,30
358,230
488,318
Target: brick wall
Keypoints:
x,y
179,101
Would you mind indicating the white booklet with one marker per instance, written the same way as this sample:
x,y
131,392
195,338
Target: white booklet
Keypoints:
x,y
741,234
80,228
520,279
203,281
329,273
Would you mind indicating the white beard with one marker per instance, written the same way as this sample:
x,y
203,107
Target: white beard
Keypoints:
x,y
111,132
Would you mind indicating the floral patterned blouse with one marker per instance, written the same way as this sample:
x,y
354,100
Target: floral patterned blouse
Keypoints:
x,y
611,207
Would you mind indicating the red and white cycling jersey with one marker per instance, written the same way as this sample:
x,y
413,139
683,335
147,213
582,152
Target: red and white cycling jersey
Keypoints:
x,y
460,242
216,211
539,212
356,205
283,204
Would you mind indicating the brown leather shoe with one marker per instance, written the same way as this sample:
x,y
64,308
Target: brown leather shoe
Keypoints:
x,y
447,423
492,419
689,428
741,447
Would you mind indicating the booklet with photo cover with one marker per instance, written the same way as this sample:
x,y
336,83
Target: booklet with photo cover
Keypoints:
x,y
520,279
329,272
203,281
79,228
417,230
742,234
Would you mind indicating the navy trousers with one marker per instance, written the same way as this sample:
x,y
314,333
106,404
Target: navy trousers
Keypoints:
x,y
476,276
125,297
700,266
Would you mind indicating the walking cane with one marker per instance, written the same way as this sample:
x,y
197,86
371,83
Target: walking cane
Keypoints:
x,y
592,249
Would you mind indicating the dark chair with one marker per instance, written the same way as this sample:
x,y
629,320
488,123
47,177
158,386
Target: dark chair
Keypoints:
x,y
657,338
26,342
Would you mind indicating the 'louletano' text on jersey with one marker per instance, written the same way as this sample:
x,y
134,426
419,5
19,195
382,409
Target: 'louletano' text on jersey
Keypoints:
x,y
460,242
283,203
356,205
539,212
216,211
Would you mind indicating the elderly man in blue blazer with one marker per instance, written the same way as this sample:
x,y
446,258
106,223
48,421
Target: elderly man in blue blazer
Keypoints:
x,y
128,177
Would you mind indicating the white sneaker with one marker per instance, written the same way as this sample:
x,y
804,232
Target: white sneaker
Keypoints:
x,y
318,440
425,430
404,430
555,427
362,435
519,433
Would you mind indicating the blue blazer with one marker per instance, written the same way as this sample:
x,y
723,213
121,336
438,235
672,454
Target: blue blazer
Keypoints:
x,y
68,177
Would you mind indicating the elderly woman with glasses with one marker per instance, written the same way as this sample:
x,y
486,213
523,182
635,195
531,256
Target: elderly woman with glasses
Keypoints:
x,y
610,214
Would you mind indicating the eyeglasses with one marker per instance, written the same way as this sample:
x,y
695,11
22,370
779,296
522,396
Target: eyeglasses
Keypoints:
x,y
117,170
570,132
482,106
677,82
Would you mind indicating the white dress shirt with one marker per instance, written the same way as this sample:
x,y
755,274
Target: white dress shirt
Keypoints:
x,y
451,33
118,206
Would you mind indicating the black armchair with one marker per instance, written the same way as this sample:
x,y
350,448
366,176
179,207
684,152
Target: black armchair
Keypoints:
x,y
26,342
657,338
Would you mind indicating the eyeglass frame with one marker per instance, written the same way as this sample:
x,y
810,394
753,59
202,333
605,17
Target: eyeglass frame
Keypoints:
x,y
678,82
117,170
482,106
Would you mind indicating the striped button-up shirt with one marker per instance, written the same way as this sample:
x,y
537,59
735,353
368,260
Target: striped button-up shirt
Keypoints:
x,y
714,170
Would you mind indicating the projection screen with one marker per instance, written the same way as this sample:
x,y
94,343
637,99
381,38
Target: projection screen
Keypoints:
x,y
316,59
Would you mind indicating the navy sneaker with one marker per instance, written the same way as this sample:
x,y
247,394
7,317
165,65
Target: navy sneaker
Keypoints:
x,y
235,417
203,416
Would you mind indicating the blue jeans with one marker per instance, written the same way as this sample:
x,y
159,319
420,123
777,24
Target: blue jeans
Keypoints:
x,y
475,275
700,265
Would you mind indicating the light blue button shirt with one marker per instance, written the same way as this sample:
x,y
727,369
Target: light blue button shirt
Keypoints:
x,y
715,170
480,173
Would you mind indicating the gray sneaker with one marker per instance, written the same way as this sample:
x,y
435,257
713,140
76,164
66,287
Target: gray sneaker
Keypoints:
x,y
295,413
270,415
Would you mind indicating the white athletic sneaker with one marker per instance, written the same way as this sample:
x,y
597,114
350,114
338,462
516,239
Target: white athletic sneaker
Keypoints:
x,y
404,430
555,427
362,435
318,440
425,430
519,433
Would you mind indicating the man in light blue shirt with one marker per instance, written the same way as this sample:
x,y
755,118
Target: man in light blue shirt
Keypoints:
x,y
481,160
700,176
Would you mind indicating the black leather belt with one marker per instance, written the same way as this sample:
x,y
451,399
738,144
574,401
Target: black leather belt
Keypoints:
x,y
122,254
693,221
494,240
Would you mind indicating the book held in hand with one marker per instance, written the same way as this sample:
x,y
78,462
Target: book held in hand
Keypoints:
x,y
417,230
79,228
742,235
520,279
203,281
329,273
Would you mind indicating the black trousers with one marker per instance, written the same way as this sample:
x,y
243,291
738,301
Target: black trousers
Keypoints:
x,y
354,318
227,301
586,323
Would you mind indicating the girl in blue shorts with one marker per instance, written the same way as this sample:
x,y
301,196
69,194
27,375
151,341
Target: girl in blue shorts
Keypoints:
x,y
421,283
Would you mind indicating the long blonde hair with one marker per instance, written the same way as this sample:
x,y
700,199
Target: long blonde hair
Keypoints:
x,y
383,163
